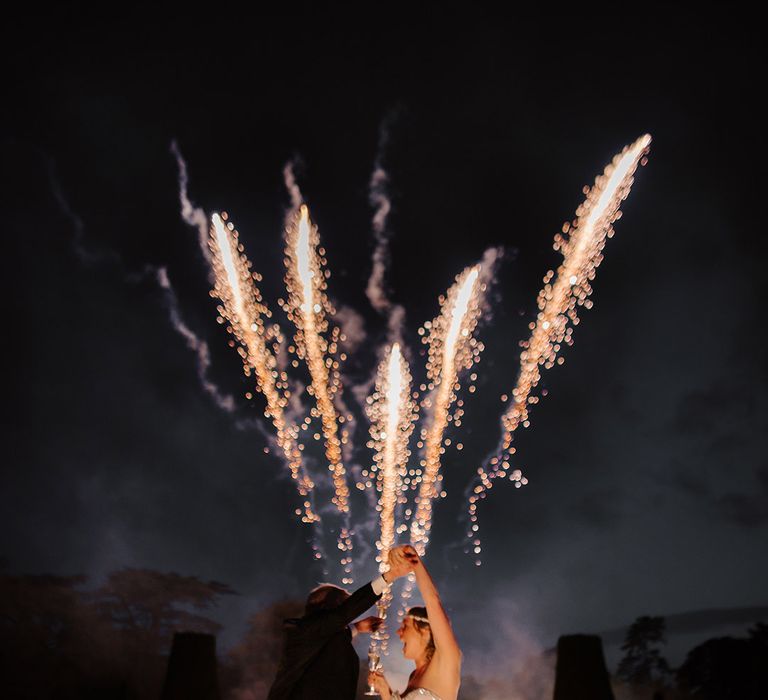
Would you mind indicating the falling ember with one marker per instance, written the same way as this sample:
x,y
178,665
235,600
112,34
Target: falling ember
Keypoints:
x,y
581,245
452,347
244,309
308,308
392,413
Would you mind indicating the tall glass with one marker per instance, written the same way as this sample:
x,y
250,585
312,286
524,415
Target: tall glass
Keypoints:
x,y
374,665
374,651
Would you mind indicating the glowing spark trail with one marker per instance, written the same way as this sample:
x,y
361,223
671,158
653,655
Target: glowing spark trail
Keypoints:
x,y
242,307
392,412
308,308
452,347
581,245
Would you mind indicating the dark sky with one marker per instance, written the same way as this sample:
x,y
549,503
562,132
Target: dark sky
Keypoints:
x,y
648,477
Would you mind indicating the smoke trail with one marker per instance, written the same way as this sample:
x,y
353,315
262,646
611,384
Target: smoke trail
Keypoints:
x,y
380,201
289,177
193,215
86,255
352,327
198,346
90,257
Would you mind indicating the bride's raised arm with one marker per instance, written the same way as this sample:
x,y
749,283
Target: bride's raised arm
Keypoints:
x,y
442,632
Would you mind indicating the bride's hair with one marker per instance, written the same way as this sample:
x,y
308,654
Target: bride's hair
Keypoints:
x,y
421,625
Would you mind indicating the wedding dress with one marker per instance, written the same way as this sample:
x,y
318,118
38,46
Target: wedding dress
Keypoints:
x,y
416,693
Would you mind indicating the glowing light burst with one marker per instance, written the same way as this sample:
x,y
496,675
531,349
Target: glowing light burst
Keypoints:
x,y
392,413
308,307
452,347
581,244
243,309
452,350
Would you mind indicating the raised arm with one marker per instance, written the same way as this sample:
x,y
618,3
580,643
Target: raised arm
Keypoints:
x,y
442,632
330,621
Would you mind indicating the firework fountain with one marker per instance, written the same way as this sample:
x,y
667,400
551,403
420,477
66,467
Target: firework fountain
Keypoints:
x,y
581,244
244,310
452,350
392,413
308,307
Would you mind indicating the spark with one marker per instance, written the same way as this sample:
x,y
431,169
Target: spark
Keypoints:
x,y
392,431
392,413
452,347
308,308
452,350
244,310
581,244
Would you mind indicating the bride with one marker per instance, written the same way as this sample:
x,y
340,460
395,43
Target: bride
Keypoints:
x,y
427,640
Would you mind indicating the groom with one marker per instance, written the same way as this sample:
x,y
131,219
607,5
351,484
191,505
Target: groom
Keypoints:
x,y
318,659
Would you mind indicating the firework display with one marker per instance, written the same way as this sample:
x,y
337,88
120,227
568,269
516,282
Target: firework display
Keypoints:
x,y
565,290
396,487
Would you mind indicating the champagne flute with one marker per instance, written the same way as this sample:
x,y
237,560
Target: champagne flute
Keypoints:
x,y
374,665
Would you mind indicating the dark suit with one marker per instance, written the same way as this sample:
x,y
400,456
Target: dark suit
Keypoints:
x,y
318,660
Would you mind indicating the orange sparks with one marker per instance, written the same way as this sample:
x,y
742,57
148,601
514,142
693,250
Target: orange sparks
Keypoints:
x,y
308,308
452,348
581,244
392,412
243,309
392,408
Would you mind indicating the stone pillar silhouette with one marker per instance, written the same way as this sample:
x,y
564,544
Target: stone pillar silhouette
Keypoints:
x,y
192,672
580,672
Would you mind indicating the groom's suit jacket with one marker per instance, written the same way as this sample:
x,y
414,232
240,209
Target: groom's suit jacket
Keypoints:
x,y
318,659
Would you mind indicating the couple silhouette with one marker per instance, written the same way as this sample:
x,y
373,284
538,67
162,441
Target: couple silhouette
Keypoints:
x,y
318,660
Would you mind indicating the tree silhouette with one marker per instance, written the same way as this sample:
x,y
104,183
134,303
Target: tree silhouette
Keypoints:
x,y
149,606
59,640
50,637
728,667
643,663
251,665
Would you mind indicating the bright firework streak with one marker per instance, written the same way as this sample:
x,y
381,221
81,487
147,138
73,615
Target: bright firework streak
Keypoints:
x,y
392,412
452,347
558,306
308,308
243,308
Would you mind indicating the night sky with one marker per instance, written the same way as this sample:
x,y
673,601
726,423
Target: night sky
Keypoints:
x,y
648,477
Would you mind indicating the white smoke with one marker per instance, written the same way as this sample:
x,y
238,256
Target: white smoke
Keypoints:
x,y
289,177
505,661
193,215
198,346
378,196
85,254
88,256
352,327
488,264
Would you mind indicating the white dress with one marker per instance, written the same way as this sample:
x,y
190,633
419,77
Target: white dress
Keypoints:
x,y
422,693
